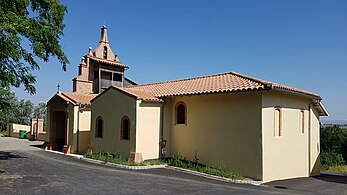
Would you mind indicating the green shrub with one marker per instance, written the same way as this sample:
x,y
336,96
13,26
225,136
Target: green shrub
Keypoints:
x,y
331,159
333,140
3,133
118,158
177,161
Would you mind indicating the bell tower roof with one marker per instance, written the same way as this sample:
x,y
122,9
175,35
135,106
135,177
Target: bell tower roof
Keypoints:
x,y
104,50
104,36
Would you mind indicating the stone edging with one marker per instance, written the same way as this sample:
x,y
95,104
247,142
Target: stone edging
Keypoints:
x,y
123,166
256,183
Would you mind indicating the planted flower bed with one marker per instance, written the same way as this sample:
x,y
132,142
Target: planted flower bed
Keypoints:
x,y
175,161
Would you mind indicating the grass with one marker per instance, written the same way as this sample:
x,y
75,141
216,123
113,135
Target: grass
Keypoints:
x,y
176,161
3,133
195,166
118,158
335,169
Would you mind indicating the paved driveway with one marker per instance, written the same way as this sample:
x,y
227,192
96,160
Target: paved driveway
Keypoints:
x,y
323,184
25,169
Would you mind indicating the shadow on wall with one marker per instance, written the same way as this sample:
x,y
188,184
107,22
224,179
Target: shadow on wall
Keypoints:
x,y
8,155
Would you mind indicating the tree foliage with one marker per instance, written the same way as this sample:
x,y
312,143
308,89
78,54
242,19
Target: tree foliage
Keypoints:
x,y
17,111
332,138
333,141
40,111
13,110
36,22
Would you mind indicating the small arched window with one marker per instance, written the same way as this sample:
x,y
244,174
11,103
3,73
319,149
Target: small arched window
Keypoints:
x,y
105,52
302,121
181,113
125,128
278,122
99,127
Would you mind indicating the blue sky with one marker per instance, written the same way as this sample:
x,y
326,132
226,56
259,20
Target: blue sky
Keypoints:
x,y
300,43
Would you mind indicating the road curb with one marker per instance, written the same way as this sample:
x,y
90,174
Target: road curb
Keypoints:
x,y
256,183
123,166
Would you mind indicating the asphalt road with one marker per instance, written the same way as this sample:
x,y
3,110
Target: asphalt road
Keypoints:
x,y
26,169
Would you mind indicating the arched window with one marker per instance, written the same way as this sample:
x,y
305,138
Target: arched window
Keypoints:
x,y
105,52
278,122
181,113
125,128
302,121
99,127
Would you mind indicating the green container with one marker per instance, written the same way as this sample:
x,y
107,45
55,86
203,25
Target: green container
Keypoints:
x,y
22,134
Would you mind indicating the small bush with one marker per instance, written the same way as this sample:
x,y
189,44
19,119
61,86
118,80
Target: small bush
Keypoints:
x,y
336,169
118,158
331,159
3,133
177,161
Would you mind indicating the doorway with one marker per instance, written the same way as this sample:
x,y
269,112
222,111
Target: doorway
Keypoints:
x,y
60,129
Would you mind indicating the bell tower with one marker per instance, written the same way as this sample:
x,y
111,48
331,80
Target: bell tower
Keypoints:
x,y
100,69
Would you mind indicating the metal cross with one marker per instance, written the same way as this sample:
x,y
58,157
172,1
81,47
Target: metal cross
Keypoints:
x,y
58,86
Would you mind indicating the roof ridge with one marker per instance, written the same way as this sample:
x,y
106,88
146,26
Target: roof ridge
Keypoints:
x,y
78,93
179,80
62,93
264,82
277,85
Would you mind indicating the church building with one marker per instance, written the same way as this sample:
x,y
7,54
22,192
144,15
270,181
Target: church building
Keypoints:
x,y
69,113
264,130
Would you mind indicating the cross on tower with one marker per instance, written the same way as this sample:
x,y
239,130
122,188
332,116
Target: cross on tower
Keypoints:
x,y
58,86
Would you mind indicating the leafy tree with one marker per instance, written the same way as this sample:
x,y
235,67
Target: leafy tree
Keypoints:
x,y
7,101
40,111
23,111
13,110
333,145
332,138
40,24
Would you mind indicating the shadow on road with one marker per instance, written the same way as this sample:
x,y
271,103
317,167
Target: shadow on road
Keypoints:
x,y
8,155
332,178
37,145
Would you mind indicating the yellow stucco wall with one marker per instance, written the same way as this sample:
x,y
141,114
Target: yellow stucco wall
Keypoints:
x,y
315,143
84,128
148,129
13,129
168,123
48,124
112,106
72,120
286,156
222,129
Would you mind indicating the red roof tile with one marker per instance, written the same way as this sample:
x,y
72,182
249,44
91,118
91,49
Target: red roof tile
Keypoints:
x,y
219,83
77,98
139,94
116,63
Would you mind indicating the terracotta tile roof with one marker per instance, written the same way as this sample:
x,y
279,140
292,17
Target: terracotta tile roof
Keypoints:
x,y
138,93
219,83
116,63
77,98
